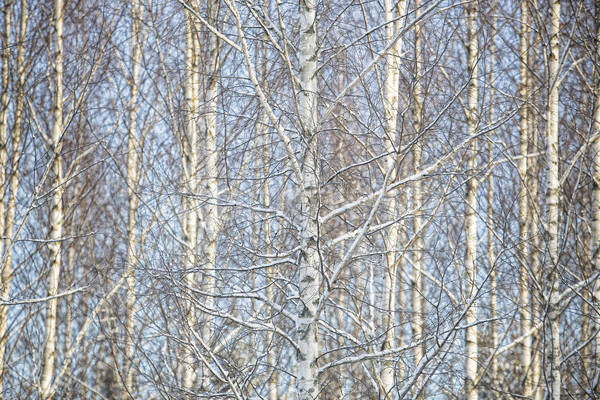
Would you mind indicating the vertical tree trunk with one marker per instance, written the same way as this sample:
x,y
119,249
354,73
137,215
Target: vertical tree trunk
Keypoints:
x,y
535,260
308,269
211,217
552,198
191,183
595,243
4,243
471,205
269,292
524,297
13,187
56,212
393,10
4,74
535,252
418,283
132,183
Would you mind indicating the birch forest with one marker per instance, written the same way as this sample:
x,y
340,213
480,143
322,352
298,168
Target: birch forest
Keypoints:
x,y
300,199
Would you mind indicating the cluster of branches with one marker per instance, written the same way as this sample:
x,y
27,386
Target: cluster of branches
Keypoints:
x,y
313,199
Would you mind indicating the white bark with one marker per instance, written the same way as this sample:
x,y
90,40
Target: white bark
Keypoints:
x,y
211,216
4,74
14,180
418,278
524,297
535,260
133,160
393,10
552,198
191,184
308,269
4,244
56,212
471,351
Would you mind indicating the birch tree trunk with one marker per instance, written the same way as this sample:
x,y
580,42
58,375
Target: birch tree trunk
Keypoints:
x,y
418,278
524,298
4,74
595,242
12,188
535,258
552,199
393,11
211,217
6,269
56,212
308,269
191,183
132,183
471,205
269,292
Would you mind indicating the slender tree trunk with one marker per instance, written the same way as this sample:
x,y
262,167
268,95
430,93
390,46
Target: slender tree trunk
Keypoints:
x,y
535,254
308,270
4,243
4,75
471,205
393,10
595,243
524,297
269,292
552,199
191,184
535,260
418,283
211,217
56,212
132,183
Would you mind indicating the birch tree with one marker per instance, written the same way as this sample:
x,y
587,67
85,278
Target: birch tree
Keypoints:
x,y
418,278
308,268
394,11
5,267
524,298
133,160
471,335
56,209
298,205
210,226
552,204
189,151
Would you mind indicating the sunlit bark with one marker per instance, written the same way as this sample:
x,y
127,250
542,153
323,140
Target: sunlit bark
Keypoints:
x,y
552,199
191,171
524,297
133,160
308,269
393,11
56,211
418,278
471,350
